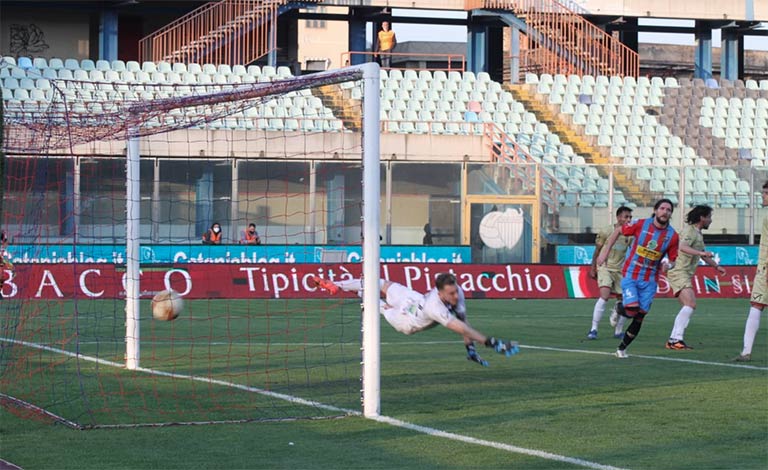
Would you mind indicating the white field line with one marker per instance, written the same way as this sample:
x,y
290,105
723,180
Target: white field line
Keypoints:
x,y
496,445
655,358
4,464
416,343
301,401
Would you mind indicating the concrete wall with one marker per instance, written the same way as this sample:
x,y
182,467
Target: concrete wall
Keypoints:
x,y
698,9
724,221
679,60
323,40
420,4
297,146
56,33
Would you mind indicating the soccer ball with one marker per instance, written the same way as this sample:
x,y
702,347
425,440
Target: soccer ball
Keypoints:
x,y
167,305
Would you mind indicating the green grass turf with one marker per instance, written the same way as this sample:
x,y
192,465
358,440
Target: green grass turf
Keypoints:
x,y
636,413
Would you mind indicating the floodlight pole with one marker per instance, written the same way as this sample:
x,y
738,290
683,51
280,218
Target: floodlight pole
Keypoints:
x,y
371,269
132,251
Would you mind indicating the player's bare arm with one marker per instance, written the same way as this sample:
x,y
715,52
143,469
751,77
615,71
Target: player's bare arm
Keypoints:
x,y
694,252
603,256
465,330
593,268
710,260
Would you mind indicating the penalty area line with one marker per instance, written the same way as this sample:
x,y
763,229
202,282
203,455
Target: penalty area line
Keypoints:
x,y
427,343
493,444
402,343
301,401
642,356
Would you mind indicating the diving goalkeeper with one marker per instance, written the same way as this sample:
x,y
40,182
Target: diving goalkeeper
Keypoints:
x,y
410,312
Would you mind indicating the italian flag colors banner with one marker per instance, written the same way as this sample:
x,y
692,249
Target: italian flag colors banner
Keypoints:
x,y
579,284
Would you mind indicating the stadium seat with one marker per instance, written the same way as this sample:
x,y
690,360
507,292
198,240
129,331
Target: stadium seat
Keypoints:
x,y
24,63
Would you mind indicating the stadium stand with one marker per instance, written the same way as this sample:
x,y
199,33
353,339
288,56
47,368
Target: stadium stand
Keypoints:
x,y
30,84
637,123
634,122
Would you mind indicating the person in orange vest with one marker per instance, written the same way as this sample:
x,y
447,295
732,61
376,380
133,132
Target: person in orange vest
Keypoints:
x,y
386,44
213,235
6,267
250,236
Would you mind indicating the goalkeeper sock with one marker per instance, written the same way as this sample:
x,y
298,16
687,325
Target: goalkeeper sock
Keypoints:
x,y
355,285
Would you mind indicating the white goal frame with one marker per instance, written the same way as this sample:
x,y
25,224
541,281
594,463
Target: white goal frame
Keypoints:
x,y
369,74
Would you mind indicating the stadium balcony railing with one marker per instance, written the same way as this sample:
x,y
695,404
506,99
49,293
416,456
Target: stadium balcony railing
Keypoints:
x,y
448,59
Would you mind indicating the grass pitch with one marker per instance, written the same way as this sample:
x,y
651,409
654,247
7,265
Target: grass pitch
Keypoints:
x,y
573,400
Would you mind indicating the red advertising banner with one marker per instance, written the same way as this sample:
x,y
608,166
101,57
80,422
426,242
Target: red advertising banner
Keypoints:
x,y
294,281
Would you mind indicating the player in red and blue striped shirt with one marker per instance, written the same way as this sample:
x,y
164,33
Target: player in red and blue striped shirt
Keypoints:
x,y
654,239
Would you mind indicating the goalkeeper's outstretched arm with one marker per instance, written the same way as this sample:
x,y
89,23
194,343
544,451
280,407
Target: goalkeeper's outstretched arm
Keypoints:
x,y
470,334
507,348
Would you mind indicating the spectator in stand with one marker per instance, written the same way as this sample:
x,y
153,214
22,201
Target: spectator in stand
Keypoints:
x,y
386,44
250,236
213,235
427,240
6,267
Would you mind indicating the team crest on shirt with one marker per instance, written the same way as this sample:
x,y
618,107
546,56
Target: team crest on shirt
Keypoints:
x,y
652,245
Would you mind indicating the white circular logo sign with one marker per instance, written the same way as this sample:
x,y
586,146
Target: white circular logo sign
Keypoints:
x,y
502,229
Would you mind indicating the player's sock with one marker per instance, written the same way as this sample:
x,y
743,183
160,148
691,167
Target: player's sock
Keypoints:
x,y
597,313
681,323
620,325
750,330
621,310
351,285
632,331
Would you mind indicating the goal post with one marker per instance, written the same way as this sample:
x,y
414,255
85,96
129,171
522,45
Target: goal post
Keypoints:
x,y
163,160
369,73
132,252
371,216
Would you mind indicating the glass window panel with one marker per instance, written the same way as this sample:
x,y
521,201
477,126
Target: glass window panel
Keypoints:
x,y
275,197
38,203
193,195
426,193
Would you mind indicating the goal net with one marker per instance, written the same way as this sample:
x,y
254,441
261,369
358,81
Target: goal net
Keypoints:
x,y
113,183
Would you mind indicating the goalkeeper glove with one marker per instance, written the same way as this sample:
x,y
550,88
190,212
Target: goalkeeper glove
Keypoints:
x,y
472,356
508,348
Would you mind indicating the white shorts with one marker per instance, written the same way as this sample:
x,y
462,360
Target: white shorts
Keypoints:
x,y
402,310
399,296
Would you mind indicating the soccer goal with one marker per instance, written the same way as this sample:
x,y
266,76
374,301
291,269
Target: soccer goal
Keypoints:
x,y
233,187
